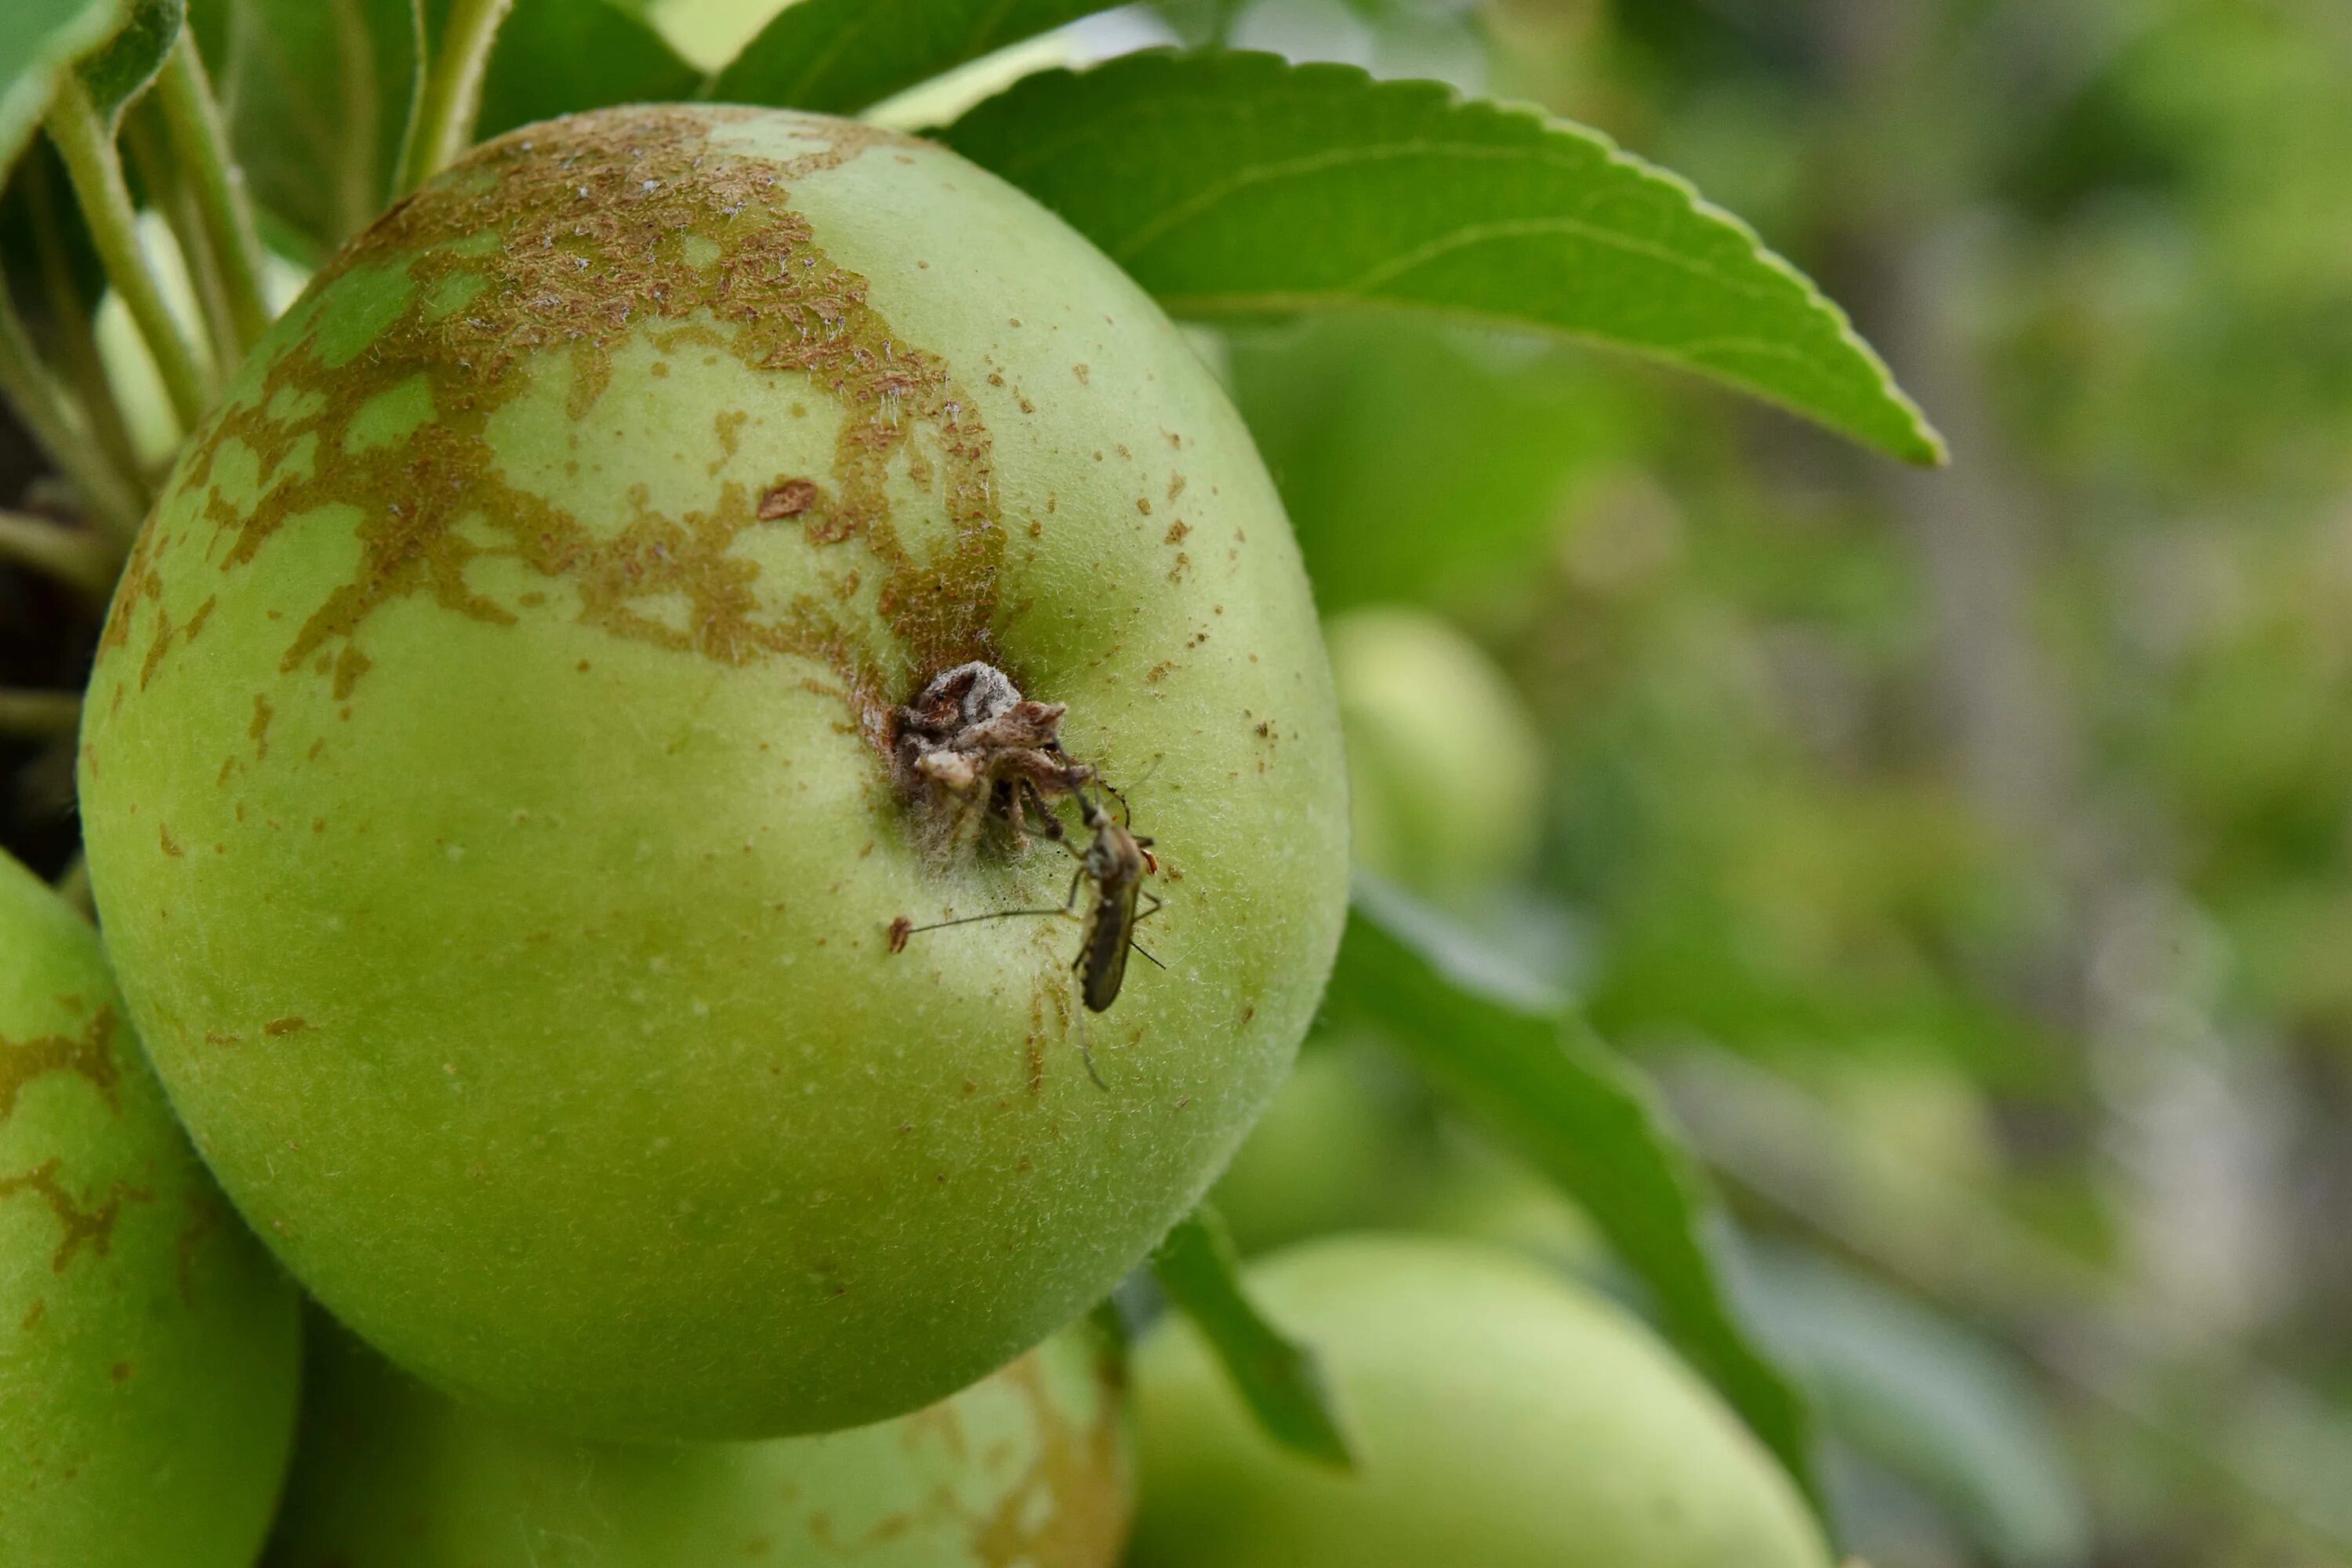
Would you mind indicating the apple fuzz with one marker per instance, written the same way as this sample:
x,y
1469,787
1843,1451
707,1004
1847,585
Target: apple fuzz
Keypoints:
x,y
501,799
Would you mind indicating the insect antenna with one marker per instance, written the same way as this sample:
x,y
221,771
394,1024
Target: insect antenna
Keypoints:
x,y
992,915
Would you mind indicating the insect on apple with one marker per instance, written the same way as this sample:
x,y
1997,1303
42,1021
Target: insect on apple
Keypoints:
x,y
1116,862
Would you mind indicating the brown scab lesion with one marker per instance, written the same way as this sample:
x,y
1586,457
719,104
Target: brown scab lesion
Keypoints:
x,y
88,1055
86,1223
787,497
1066,1504
607,225
1069,1506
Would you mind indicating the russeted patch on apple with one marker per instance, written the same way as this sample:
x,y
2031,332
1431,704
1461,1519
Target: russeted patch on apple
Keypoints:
x,y
490,789
149,1351
1032,1465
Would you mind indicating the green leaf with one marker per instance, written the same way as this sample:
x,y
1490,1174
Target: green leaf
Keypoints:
x,y
838,57
1946,1411
317,94
559,56
1384,431
42,38
120,70
1239,184
1507,1051
1278,1378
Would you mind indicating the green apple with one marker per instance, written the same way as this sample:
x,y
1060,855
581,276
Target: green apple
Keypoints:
x,y
1444,761
487,776
148,1348
1501,1416
1029,1467
1346,1144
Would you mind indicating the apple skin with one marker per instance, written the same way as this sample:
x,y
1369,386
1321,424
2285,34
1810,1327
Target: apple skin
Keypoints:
x,y
489,808
1032,1465
1501,1416
148,1347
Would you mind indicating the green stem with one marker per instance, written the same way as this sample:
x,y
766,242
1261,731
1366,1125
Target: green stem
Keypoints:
x,y
442,125
142,137
70,317
39,715
96,169
86,560
201,143
51,417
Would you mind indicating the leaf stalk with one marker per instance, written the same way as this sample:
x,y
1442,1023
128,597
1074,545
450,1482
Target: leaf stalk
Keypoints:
x,y
39,715
449,95
69,320
200,143
95,166
85,560
53,420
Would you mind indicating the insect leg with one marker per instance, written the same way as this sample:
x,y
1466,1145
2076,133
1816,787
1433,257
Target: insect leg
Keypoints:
x,y
1157,904
1085,1055
1047,822
992,915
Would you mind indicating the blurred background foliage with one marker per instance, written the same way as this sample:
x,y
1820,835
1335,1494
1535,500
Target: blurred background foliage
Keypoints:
x,y
1970,853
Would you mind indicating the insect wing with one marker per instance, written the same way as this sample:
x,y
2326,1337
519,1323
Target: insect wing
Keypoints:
x,y
1111,931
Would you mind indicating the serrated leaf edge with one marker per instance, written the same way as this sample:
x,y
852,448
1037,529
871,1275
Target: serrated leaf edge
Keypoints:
x,y
1930,448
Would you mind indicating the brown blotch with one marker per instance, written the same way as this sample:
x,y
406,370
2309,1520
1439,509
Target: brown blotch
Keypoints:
x,y
1071,1505
1067,1506
728,427
1177,531
88,1055
92,1226
171,845
276,1027
597,219
789,498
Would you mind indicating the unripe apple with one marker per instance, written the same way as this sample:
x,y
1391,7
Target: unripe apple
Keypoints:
x,y
1501,1416
1030,1466
148,1348
488,784
1348,1144
1444,761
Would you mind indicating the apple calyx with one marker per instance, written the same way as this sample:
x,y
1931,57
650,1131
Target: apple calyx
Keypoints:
x,y
970,752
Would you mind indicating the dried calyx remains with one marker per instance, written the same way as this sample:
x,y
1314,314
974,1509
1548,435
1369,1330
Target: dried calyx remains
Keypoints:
x,y
971,749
